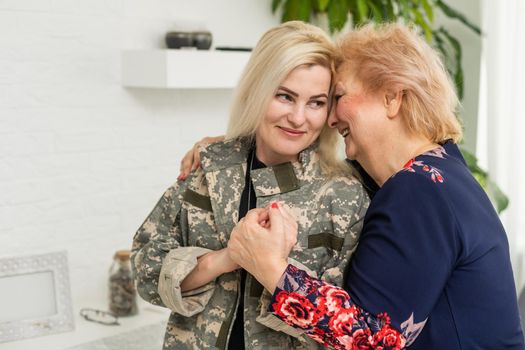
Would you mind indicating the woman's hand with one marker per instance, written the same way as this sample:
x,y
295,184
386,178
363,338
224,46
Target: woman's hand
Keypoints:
x,y
209,267
191,159
262,241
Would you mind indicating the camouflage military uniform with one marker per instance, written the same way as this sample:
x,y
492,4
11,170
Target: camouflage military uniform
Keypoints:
x,y
197,215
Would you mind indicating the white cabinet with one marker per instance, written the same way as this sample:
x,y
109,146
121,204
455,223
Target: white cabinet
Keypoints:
x,y
182,69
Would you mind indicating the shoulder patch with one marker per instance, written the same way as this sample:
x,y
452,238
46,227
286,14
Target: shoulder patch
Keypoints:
x,y
197,199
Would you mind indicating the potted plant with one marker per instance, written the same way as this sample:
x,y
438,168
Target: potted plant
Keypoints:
x,y
337,14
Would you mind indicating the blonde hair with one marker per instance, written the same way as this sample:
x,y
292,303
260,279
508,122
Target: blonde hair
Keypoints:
x,y
393,56
279,51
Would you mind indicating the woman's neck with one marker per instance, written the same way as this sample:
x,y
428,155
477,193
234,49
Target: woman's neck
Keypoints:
x,y
271,158
391,158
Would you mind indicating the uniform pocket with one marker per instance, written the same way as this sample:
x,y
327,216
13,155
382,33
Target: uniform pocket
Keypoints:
x,y
200,221
318,247
325,239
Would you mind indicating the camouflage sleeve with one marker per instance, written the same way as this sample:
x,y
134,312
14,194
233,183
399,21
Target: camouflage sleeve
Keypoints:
x,y
176,267
161,261
155,238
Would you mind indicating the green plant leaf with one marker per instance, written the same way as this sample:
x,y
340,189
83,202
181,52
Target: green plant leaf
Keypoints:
x,y
450,12
420,21
362,8
448,58
458,73
388,8
472,162
404,9
337,14
496,196
322,5
428,10
352,10
275,5
307,8
376,11
297,10
459,80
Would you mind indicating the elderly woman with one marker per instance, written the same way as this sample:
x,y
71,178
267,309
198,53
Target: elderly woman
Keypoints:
x,y
278,147
432,268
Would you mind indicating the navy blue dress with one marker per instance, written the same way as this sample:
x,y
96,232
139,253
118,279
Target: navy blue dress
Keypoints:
x,y
432,269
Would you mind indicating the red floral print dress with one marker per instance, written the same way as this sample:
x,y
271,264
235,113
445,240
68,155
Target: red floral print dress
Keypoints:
x,y
328,316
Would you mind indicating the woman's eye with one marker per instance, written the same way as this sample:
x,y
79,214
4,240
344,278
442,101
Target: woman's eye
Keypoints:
x,y
284,97
337,97
317,104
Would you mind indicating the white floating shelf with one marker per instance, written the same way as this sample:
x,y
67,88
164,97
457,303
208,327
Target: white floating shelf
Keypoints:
x,y
182,69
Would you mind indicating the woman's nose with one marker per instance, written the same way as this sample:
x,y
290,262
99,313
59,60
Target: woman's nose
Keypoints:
x,y
332,119
297,115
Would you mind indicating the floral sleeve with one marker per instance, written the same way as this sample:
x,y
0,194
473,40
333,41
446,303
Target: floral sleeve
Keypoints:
x,y
327,314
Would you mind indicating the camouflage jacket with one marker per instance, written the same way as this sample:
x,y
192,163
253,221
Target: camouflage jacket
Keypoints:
x,y
197,215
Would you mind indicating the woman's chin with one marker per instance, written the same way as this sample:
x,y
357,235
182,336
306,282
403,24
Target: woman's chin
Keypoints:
x,y
350,153
289,149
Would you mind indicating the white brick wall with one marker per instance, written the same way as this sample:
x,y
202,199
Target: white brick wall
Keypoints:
x,y
83,160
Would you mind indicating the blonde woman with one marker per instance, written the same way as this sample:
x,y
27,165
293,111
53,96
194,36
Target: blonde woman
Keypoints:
x,y
278,148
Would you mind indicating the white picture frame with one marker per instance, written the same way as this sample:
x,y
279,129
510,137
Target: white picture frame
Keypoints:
x,y
35,296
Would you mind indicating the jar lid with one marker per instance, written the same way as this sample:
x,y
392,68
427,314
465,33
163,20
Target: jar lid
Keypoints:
x,y
122,254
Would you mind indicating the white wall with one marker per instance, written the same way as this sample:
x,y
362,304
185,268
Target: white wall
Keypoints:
x,y
83,160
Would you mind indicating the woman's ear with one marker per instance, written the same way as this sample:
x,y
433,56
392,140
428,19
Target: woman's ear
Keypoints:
x,y
392,101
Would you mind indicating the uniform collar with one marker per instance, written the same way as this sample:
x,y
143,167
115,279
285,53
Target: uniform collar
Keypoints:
x,y
225,154
267,181
288,176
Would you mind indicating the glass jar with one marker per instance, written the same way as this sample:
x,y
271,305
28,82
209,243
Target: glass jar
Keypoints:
x,y
122,293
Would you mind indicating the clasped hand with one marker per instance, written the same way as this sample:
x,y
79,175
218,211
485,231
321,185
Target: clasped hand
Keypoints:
x,y
262,241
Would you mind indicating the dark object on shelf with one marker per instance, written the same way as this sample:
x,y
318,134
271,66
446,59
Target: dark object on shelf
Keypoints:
x,y
202,40
176,40
233,48
122,293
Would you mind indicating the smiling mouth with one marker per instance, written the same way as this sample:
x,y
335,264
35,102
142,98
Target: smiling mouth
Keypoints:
x,y
345,132
292,132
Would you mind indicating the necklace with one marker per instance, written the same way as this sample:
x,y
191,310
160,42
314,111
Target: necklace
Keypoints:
x,y
252,156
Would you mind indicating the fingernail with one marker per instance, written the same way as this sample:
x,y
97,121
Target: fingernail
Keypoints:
x,y
275,205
